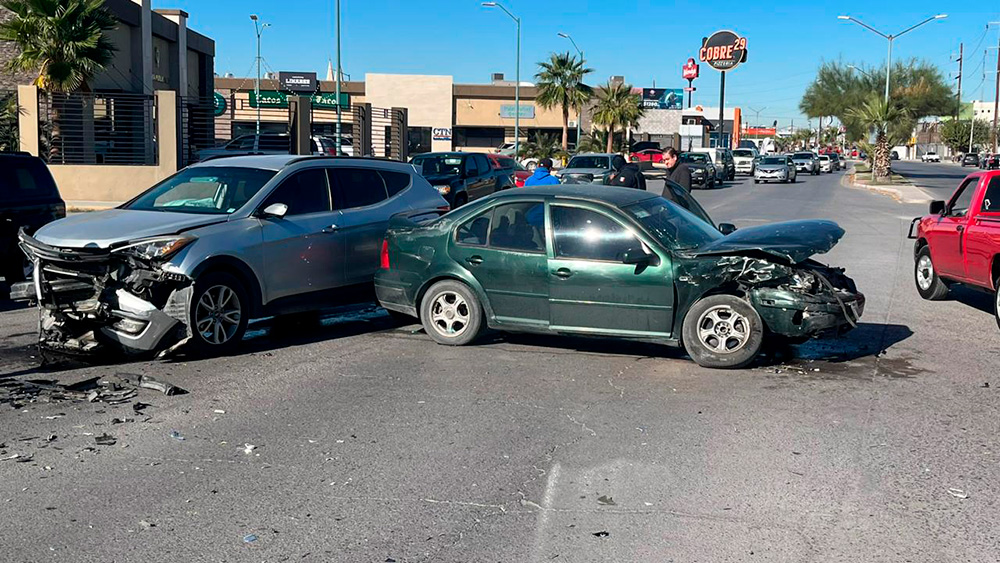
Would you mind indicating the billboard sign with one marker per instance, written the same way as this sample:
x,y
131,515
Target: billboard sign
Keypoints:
x,y
298,81
441,134
723,50
509,111
663,98
690,70
761,132
279,100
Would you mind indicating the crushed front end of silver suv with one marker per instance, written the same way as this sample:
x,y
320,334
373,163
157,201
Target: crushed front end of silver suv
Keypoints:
x,y
123,296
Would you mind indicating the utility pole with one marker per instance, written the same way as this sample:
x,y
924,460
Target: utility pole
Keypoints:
x,y
961,58
339,109
996,94
756,119
259,28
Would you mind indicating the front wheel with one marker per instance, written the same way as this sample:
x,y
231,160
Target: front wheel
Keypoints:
x,y
722,331
929,285
219,313
451,313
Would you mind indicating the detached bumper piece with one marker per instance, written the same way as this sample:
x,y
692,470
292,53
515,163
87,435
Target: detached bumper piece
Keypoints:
x,y
90,299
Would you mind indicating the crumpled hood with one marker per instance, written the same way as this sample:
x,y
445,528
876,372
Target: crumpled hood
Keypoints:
x,y
435,179
101,229
792,241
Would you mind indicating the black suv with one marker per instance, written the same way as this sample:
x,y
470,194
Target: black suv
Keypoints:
x,y
461,177
28,198
970,159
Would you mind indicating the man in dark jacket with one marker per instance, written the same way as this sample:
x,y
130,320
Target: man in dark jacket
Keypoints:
x,y
630,176
542,175
677,170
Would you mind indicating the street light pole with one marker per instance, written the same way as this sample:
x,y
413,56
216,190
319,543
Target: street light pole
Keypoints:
x,y
517,77
756,119
259,28
339,109
579,111
890,38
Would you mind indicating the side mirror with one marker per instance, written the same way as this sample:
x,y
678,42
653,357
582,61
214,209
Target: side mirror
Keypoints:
x,y
637,256
727,228
276,210
937,207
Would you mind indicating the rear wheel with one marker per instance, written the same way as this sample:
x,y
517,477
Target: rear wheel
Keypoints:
x,y
996,301
756,181
18,269
219,313
929,285
451,313
722,331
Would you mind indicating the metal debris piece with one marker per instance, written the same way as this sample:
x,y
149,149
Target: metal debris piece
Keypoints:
x,y
249,448
958,493
601,534
148,382
176,435
105,440
219,411
249,538
606,500
146,525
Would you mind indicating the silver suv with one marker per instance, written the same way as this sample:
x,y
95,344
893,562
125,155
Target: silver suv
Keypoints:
x,y
195,257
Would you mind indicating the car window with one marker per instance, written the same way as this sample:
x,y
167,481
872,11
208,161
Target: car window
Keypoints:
x,y
587,235
303,192
484,164
25,179
963,198
589,162
312,146
395,182
473,232
470,166
274,143
204,189
687,201
991,201
507,163
242,143
356,187
674,226
519,226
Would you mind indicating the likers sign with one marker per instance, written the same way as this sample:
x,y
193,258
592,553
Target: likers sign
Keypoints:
x,y
298,81
724,50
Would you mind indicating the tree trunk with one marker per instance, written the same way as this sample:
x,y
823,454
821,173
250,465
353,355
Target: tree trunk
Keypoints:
x,y
565,136
880,158
611,138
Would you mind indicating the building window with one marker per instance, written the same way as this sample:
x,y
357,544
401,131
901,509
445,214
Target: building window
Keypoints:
x,y
482,137
418,139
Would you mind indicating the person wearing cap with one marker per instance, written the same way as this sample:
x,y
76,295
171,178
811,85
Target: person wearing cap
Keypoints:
x,y
543,175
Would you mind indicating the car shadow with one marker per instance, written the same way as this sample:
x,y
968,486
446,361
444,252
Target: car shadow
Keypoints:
x,y
972,298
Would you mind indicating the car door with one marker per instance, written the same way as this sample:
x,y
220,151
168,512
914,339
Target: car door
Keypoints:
x,y
504,249
360,195
590,290
303,252
946,236
982,236
486,179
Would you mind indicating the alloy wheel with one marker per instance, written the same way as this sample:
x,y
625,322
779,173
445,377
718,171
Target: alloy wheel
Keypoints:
x,y
218,314
925,272
450,314
722,330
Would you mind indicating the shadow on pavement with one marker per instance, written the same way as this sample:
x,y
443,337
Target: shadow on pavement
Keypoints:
x,y
973,298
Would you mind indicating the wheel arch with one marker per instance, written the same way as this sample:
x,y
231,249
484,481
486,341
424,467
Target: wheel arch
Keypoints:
x,y
454,276
995,271
238,269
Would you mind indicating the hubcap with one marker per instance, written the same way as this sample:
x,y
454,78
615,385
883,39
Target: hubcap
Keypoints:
x,y
218,314
722,330
450,314
925,272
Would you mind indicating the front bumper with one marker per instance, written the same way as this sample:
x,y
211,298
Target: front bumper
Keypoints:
x,y
790,313
90,299
768,175
744,168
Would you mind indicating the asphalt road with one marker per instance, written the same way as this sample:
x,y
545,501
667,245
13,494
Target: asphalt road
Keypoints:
x,y
937,179
374,444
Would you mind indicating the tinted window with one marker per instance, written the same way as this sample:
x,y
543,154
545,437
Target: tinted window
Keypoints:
x,y
774,160
695,157
743,152
473,231
438,165
589,162
519,226
470,166
303,192
483,164
357,187
204,189
674,226
243,143
962,201
274,143
588,235
395,182
25,179
507,163
991,203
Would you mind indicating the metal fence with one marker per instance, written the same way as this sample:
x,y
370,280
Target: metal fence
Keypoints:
x,y
9,133
97,128
197,128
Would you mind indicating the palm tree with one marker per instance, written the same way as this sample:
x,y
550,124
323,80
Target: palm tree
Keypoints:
x,y
542,146
879,117
560,85
64,41
9,134
617,107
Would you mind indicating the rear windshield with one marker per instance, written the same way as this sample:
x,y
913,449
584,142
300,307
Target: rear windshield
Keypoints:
x,y
801,155
743,152
24,179
438,165
601,162
211,190
695,157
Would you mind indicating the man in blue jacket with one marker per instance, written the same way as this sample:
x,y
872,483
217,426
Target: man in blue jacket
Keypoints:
x,y
543,175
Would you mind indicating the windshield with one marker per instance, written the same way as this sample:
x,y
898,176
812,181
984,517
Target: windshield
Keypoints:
x,y
743,152
212,190
672,225
601,162
439,165
695,157
802,155
774,160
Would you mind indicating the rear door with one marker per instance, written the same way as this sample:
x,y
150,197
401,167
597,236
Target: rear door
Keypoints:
x,y
982,236
361,197
946,237
28,198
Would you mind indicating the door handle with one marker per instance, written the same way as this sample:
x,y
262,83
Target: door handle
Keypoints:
x,y
475,260
562,273
330,229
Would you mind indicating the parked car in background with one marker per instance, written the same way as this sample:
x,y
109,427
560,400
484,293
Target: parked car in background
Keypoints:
x,y
724,164
806,162
970,159
836,161
647,155
506,149
277,144
745,160
506,164
776,168
640,146
592,167
893,155
461,177
703,171
825,164
959,241
930,156
29,199
615,262
195,257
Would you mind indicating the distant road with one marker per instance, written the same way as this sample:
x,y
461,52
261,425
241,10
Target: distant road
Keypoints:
x,y
938,180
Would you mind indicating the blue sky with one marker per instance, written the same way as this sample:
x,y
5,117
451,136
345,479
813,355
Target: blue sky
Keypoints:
x,y
644,40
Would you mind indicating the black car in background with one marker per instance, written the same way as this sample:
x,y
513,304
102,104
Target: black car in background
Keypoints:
x,y
461,177
970,159
703,172
29,199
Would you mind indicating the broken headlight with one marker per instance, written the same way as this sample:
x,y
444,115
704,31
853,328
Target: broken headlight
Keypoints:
x,y
156,248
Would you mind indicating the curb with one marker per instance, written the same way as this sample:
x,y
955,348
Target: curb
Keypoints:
x,y
900,193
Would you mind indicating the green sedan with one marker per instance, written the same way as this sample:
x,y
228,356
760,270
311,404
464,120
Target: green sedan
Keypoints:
x,y
615,262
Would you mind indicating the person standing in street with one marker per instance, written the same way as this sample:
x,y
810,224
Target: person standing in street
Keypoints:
x,y
677,171
542,175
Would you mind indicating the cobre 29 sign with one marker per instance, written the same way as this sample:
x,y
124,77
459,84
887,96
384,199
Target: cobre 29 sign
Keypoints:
x,y
724,50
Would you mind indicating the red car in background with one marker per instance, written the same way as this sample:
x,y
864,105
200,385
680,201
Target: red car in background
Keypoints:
x,y
518,173
647,155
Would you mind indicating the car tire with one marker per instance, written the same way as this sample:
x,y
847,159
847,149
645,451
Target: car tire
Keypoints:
x,y
451,313
712,332
220,311
929,285
996,301
756,181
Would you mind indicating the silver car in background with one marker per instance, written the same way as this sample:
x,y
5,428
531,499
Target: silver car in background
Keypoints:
x,y
775,168
806,162
194,258
591,167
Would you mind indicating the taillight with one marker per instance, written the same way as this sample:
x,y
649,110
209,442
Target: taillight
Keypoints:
x,y
384,260
332,151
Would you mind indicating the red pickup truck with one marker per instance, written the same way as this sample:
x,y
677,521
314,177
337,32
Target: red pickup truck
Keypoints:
x,y
959,241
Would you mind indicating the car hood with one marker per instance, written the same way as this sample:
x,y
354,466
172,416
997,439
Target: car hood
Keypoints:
x,y
791,242
441,178
591,171
102,229
696,166
770,167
